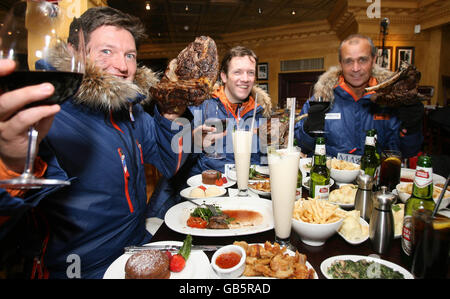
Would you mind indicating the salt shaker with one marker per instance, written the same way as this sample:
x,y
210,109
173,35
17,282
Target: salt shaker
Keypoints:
x,y
363,198
381,227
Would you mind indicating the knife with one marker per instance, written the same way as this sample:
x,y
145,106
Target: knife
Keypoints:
x,y
133,249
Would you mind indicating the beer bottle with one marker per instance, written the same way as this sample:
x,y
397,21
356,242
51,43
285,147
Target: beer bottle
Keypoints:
x,y
319,186
421,198
370,162
298,193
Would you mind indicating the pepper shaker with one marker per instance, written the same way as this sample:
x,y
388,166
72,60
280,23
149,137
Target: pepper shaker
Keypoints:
x,y
381,227
363,197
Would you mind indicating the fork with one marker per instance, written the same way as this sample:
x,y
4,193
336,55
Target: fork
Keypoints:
x,y
212,208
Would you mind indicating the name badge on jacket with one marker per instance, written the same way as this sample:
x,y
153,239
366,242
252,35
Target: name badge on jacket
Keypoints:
x,y
332,116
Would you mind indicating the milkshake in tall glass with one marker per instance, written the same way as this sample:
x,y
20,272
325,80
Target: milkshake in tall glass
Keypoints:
x,y
283,169
242,147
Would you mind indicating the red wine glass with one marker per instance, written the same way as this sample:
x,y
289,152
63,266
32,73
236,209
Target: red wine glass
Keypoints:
x,y
31,36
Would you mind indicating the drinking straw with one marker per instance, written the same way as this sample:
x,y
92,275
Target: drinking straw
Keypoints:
x,y
291,101
436,207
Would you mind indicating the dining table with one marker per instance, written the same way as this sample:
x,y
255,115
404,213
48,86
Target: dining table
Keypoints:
x,y
334,246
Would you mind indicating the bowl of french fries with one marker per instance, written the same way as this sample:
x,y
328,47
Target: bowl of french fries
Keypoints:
x,y
343,171
316,220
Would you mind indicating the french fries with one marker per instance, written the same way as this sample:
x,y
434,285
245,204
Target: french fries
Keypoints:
x,y
317,211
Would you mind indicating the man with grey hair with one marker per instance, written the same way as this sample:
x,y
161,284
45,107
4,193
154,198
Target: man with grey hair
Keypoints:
x,y
345,112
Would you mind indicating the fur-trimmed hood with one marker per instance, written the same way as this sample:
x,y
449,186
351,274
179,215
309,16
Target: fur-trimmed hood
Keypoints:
x,y
263,98
327,81
102,91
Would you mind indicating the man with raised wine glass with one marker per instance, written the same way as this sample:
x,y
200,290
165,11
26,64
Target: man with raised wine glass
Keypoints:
x,y
100,141
14,125
234,100
14,122
345,111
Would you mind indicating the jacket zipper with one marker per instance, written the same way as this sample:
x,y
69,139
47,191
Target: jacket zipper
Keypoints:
x,y
126,176
140,151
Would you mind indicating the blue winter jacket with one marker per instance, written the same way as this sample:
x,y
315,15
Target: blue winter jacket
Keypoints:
x,y
348,120
224,145
167,192
102,153
105,207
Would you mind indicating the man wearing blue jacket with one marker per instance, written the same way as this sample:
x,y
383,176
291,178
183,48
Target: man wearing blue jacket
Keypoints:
x,y
100,141
346,112
234,99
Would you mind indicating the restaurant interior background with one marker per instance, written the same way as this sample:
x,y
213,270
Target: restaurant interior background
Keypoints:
x,y
297,40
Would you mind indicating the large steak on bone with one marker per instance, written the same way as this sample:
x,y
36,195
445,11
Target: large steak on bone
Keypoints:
x,y
400,89
189,78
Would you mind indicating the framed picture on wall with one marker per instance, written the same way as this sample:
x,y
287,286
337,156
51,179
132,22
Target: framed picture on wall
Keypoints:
x,y
264,86
385,59
263,71
404,54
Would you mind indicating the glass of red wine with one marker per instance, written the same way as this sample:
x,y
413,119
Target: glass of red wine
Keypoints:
x,y
30,35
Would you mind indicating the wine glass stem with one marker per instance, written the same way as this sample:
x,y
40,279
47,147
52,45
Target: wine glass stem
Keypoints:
x,y
32,140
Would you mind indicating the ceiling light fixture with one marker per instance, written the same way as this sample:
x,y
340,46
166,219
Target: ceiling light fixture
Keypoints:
x,y
260,10
147,5
293,12
186,8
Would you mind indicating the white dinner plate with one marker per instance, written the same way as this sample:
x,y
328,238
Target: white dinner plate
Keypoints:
x,y
197,265
305,165
259,192
327,263
196,180
305,182
358,241
187,191
231,173
288,251
177,216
